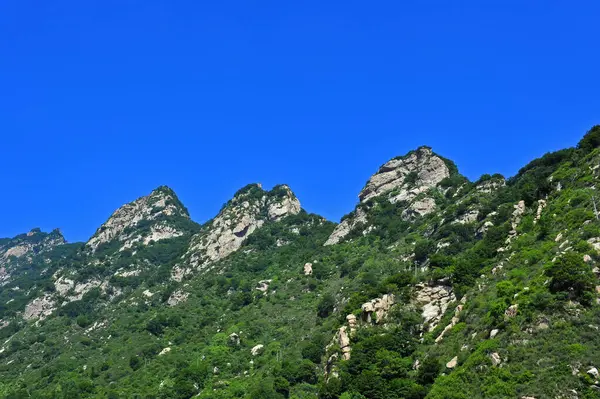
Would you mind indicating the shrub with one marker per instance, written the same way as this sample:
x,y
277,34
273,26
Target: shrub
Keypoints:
x,y
572,275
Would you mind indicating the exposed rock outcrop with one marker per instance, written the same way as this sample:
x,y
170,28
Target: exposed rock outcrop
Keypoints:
x,y
154,209
420,207
408,175
22,248
257,350
468,217
344,342
177,297
491,185
434,300
400,179
308,269
377,309
453,321
40,308
249,209
346,226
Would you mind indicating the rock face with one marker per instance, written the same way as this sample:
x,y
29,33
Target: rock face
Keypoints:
x,y
40,308
434,300
400,179
418,208
249,209
344,341
409,175
177,297
21,249
155,210
346,226
453,321
376,309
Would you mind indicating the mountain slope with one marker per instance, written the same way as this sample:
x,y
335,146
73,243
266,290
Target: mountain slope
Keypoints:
x,y
433,287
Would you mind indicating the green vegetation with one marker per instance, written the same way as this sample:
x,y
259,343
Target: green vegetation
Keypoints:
x,y
526,274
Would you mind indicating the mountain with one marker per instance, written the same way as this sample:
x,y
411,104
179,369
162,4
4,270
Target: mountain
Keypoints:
x,y
432,287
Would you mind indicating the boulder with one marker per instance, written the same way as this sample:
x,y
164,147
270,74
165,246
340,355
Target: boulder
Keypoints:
x,y
308,269
352,322
164,351
452,363
257,350
496,360
263,285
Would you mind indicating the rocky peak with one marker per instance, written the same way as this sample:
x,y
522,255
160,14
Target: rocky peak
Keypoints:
x,y
403,178
22,248
31,243
157,208
247,211
406,178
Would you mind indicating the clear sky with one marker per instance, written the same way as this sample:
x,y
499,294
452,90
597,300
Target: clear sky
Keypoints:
x,y
102,101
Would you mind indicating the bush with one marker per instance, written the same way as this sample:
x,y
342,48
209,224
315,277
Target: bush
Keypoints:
x,y
326,305
572,275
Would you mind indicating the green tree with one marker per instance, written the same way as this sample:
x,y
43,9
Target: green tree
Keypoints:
x,y
572,275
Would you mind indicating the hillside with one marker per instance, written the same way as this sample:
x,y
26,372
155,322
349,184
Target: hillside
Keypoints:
x,y
432,287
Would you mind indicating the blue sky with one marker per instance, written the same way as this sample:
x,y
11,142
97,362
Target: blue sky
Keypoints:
x,y
102,101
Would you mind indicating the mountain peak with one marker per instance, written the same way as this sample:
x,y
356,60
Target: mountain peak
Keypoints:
x,y
248,210
162,203
404,177
23,247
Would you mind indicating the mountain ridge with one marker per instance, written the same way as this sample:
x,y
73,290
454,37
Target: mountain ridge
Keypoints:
x,y
438,287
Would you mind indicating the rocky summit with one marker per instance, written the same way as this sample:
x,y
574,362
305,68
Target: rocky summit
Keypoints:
x,y
433,286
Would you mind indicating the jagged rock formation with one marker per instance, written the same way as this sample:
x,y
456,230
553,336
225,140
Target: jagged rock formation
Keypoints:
x,y
22,248
434,300
418,208
376,309
249,209
400,179
274,305
155,211
346,226
408,176
40,308
177,297
454,320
